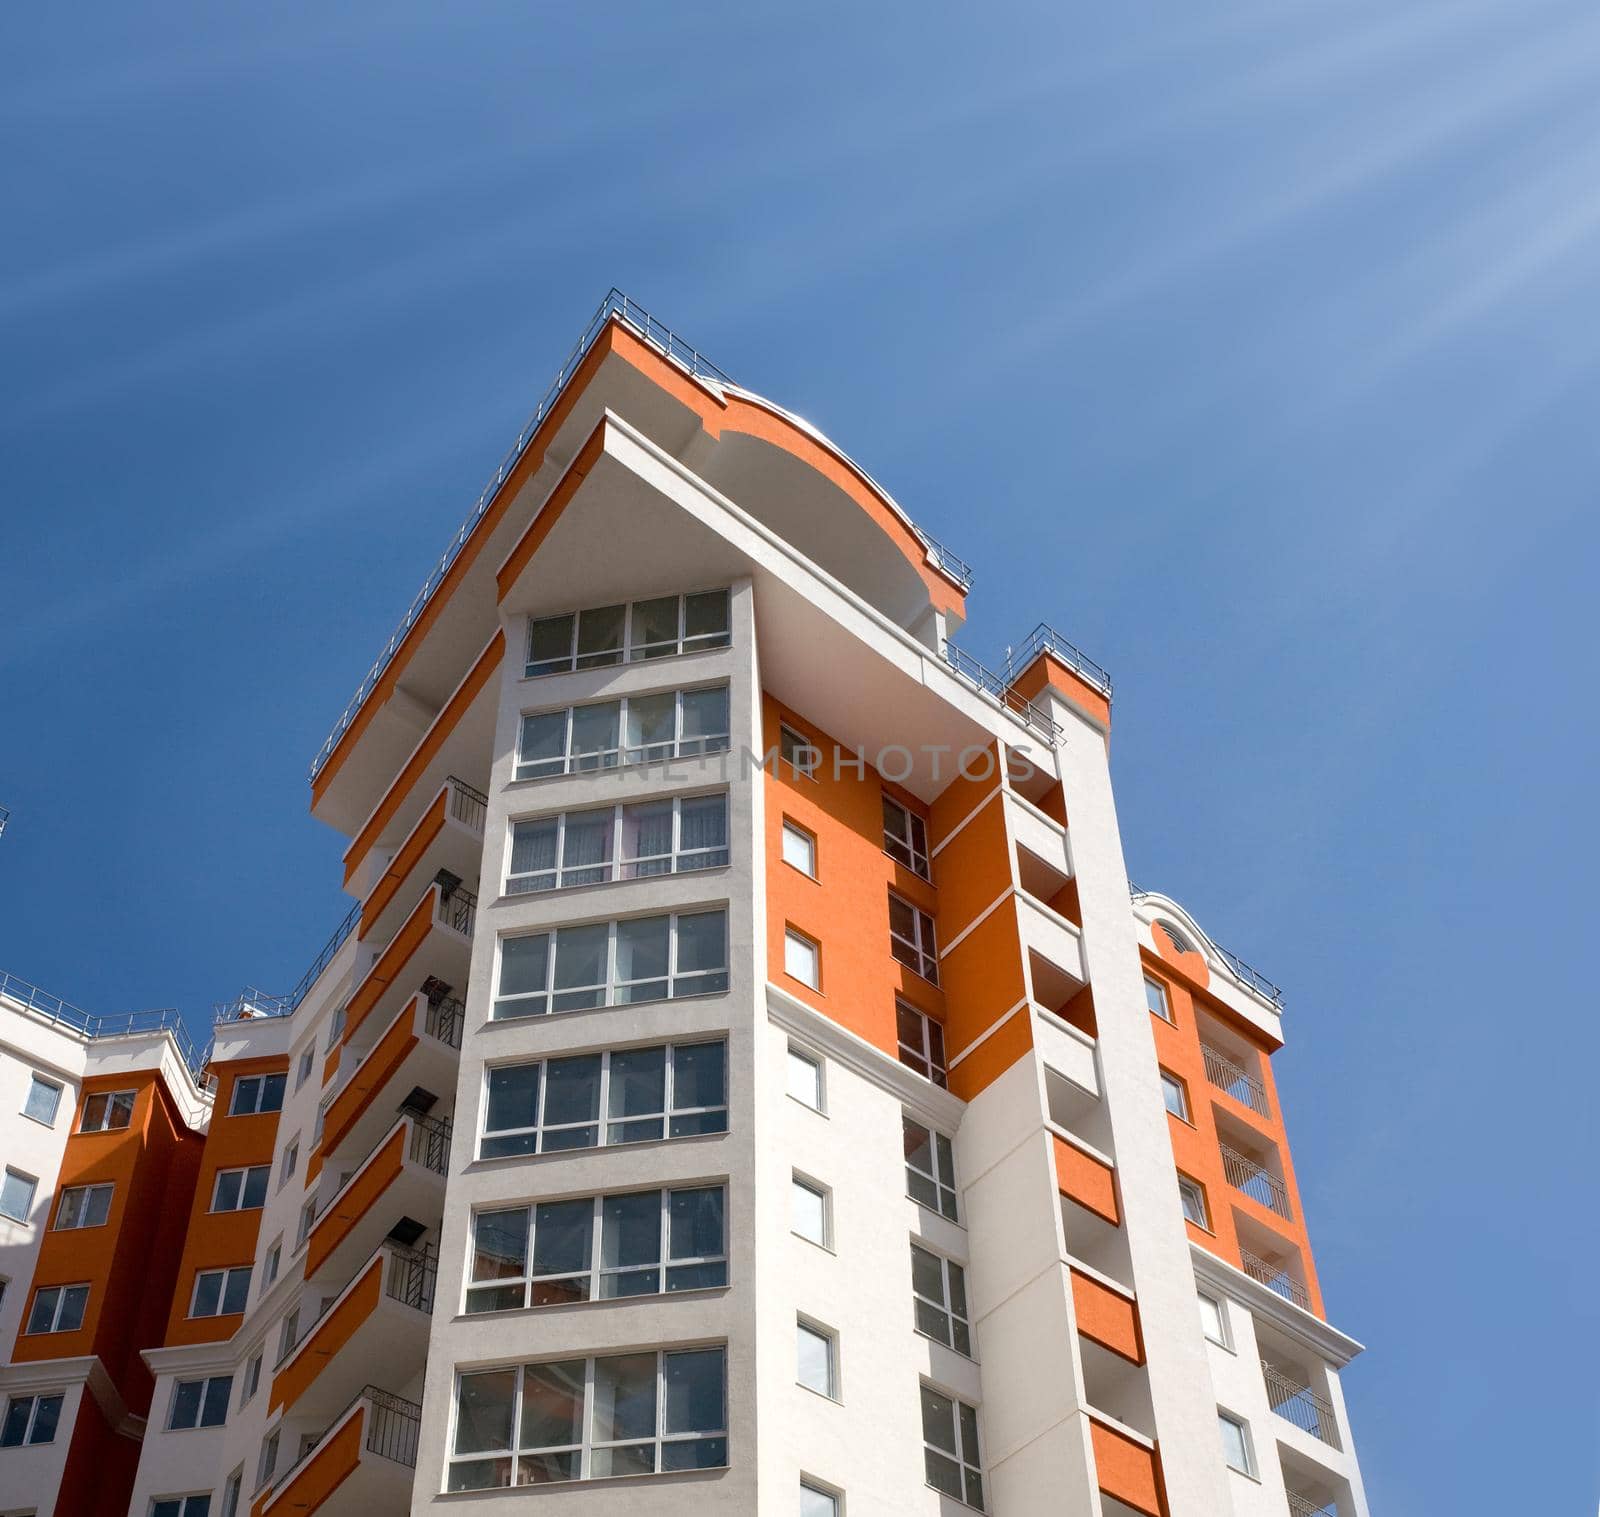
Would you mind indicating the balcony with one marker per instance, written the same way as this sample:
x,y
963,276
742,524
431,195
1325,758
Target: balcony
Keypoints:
x,y
1232,1079
1306,1506
418,1052
401,1183
1252,1178
449,837
1086,1178
1106,1313
1299,1404
434,942
378,1325
1050,936
365,1463
1278,1278
1126,1466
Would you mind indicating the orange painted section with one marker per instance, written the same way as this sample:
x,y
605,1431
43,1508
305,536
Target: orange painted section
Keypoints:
x,y
353,1202
1045,670
223,1240
1086,1180
131,1263
97,1480
994,1056
431,825
322,1474
983,978
371,1076
550,512
425,752
1196,1146
383,974
1127,1470
328,1337
1110,1319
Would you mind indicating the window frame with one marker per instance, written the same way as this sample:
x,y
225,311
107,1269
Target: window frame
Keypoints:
x,y
613,870
1170,1082
1187,1186
829,1338
305,1063
792,829
813,1487
9,1173
923,945
940,1147
627,651
952,1281
1224,1338
824,1194
1151,983
62,1295
802,941
206,1402
35,1400
966,1469
44,1082
89,1192
797,1054
111,1098
1246,1444
244,1172
917,859
924,1061
622,756
227,1272
262,1089
179,1506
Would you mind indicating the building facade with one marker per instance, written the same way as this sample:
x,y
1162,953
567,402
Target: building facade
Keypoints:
x,y
745,1081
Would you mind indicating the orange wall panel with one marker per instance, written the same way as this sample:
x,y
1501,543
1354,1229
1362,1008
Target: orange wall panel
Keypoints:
x,y
321,1476
328,1337
391,962
431,825
1127,1470
354,1200
1109,1318
370,1076
1086,1180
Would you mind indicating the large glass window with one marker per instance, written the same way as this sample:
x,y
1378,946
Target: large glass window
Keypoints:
x,y
921,1042
257,1093
939,1290
29,1420
671,836
181,1506
905,837
58,1309
643,1243
220,1292
637,729
631,1095
83,1206
645,629
43,1100
911,938
950,1447
930,1169
240,1189
590,1419
200,1403
596,964
107,1110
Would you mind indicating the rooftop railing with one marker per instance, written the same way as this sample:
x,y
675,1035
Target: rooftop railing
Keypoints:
x,y
120,1024
998,689
251,1002
1257,981
1255,1180
5,816
1234,1080
1276,1278
957,568
1045,639
1300,1405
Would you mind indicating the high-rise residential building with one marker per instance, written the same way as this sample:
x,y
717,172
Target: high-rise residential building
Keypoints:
x,y
745,1082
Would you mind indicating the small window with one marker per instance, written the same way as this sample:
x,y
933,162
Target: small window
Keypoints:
x,y
200,1403
802,959
1155,997
1193,1196
921,1042
308,1215
17,1191
805,1079
1179,940
255,1094
220,1292
1235,1443
268,1461
107,1110
30,1420
231,1492
817,1359
816,1502
930,1169
274,1262
905,837
308,1059
58,1309
939,1293
290,1163
252,1378
1176,1094
911,938
240,1189
799,849
809,1213
797,752
44,1100
950,1447
83,1206
181,1506
1213,1321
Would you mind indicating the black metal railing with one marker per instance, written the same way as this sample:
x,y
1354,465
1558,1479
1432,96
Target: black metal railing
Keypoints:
x,y
411,1276
1276,1278
1299,1506
251,1002
1045,639
1298,1403
468,805
393,1424
998,689
5,816
1234,1080
458,908
445,1021
1252,1178
429,1145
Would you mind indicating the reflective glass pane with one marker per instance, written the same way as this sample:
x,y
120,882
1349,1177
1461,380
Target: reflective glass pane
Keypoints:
x,y
650,722
500,1244
655,623
513,1097
483,1411
549,644
694,1391
699,1075
562,1232
705,618
524,963
632,1230
572,1092
624,1397
552,1404
638,1081
600,636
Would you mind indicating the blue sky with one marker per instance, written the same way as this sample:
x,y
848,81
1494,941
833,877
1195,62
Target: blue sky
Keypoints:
x,y
1252,344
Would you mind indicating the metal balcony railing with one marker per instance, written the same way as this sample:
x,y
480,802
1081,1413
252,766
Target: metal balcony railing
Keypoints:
x,y
999,690
468,805
430,1143
411,1277
1300,1405
1234,1080
1300,1507
445,1020
1254,1180
1045,639
392,1428
1257,981
957,568
458,909
1276,1278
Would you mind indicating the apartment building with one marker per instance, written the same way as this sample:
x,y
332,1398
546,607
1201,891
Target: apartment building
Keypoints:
x,y
745,1080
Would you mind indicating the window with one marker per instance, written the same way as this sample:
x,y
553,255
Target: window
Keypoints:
x,y
252,1378
200,1403
599,1248
16,1194
1155,997
950,1447
930,1169
269,1458
799,849
911,938
257,1093
1176,1094
802,959
290,1163
240,1189
1213,1322
30,1419
336,1025
308,1215
220,1292
921,1042
939,1289
83,1206
673,1090
797,752
107,1110
805,1079
637,729
231,1492
816,1359
288,1333
809,1213
905,837
649,838
816,1502
588,1419
181,1506
1193,1196
308,1059
274,1262
58,1309
647,629
578,968
43,1101
1235,1443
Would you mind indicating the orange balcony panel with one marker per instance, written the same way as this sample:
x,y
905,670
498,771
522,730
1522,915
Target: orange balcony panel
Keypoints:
x,y
1108,1317
435,942
332,1335
314,1482
356,1200
1127,1470
449,836
364,1464
411,851
1087,1180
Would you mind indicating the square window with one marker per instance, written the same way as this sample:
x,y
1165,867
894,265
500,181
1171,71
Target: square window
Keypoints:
x,y
797,752
58,1309
220,1292
44,1100
200,1403
799,849
30,1420
1213,1321
254,1095
1192,1194
1235,1443
805,1078
1176,1094
1155,997
802,959
83,1206
816,1502
240,1189
16,1194
809,1213
107,1111
817,1359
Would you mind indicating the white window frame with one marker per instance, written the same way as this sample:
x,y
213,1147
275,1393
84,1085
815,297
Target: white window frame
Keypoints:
x,y
795,1054
205,1382
257,1085
628,650
930,1059
622,755
305,1064
243,1172
802,944
915,850
116,1101
941,1152
180,1505
252,1376
829,1338
36,1400
807,841
227,1272
305,1222
24,1179
290,1161
57,1309
88,1193
957,1321
1189,1187
968,1462
231,1491
798,751
272,1264
43,1082
1224,1334
1246,1442
616,868
824,1195
815,1488
922,945
1155,990
1169,1083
